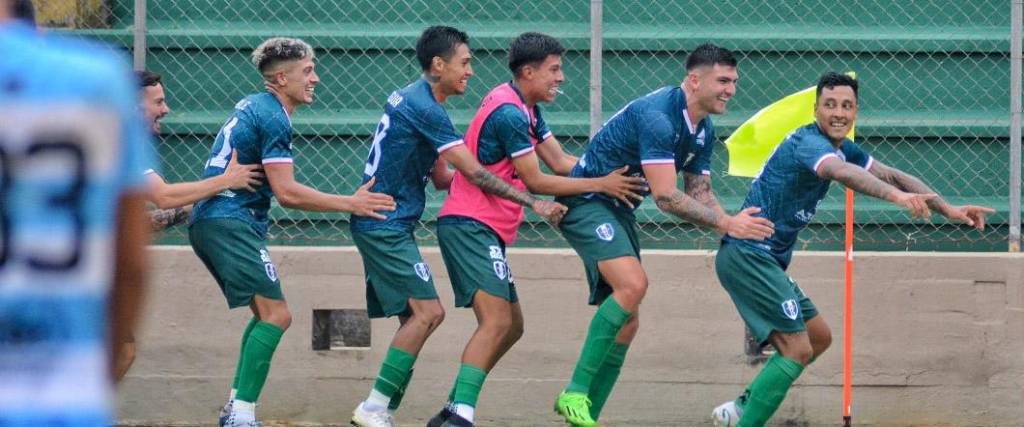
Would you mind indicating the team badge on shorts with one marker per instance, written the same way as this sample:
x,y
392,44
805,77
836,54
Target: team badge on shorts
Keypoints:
x,y
422,270
500,269
496,252
605,232
790,309
268,265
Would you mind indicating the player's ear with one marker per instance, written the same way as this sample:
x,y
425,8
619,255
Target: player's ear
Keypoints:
x,y
437,64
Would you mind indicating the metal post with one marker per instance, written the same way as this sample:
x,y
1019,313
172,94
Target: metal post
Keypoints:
x,y
139,35
596,54
1016,14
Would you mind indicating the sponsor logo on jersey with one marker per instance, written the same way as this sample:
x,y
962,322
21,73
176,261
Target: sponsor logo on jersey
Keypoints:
x,y
605,232
422,270
496,253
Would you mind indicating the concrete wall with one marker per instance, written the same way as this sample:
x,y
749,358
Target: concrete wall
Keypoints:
x,y
939,341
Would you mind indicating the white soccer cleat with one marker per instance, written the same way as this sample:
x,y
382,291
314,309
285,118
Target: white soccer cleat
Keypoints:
x,y
726,415
363,418
233,421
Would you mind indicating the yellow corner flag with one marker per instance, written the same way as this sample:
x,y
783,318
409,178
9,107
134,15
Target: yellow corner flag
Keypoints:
x,y
755,140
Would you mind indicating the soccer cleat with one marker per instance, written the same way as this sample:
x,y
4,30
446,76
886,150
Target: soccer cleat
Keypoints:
x,y
363,418
726,415
225,413
575,407
455,420
441,417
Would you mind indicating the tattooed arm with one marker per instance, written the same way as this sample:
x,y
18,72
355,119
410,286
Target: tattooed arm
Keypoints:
x,y
971,215
460,157
862,181
662,180
160,219
699,187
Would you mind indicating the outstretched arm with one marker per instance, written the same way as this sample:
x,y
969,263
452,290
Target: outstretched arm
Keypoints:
x,y
616,184
235,177
862,181
551,152
969,214
292,194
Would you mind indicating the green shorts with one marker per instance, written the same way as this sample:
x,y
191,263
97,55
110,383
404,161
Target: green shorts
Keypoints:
x,y
237,257
767,298
395,271
475,258
598,231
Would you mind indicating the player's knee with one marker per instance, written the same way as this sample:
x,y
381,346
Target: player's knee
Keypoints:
x,y
430,316
800,352
632,290
515,331
281,317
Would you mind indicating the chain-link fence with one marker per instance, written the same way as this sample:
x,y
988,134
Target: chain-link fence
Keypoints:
x,y
934,90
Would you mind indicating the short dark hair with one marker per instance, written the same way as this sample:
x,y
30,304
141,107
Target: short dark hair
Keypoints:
x,y
832,79
531,48
148,78
24,11
438,40
708,54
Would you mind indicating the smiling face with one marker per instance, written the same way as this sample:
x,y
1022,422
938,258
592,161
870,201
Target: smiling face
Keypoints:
x,y
714,86
453,75
836,111
154,106
541,83
296,81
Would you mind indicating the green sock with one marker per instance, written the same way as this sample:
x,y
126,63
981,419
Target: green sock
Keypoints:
x,y
259,349
397,398
603,328
468,384
245,337
394,372
769,389
605,379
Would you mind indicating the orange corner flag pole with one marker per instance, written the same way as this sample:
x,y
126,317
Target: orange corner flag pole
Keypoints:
x,y
848,316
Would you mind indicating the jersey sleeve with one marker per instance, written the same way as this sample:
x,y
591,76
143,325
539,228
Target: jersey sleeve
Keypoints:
x,y
856,155
436,127
812,150
701,163
657,141
512,131
276,139
540,128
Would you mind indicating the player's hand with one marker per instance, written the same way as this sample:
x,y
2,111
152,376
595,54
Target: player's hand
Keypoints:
x,y
616,184
744,225
551,210
242,177
366,203
971,215
916,203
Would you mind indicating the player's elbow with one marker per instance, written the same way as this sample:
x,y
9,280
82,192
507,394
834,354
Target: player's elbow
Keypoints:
x,y
163,201
287,197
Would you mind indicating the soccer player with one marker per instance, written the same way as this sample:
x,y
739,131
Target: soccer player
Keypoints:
x,y
175,200
794,180
655,136
228,231
72,225
507,135
414,142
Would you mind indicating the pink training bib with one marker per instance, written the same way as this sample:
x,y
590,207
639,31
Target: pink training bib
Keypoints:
x,y
468,200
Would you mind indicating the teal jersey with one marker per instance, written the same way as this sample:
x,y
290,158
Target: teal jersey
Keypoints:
x,y
261,132
788,189
506,133
654,129
72,143
412,133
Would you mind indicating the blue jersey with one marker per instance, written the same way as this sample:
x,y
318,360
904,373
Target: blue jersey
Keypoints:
x,y
73,143
412,133
506,133
654,129
261,132
788,189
